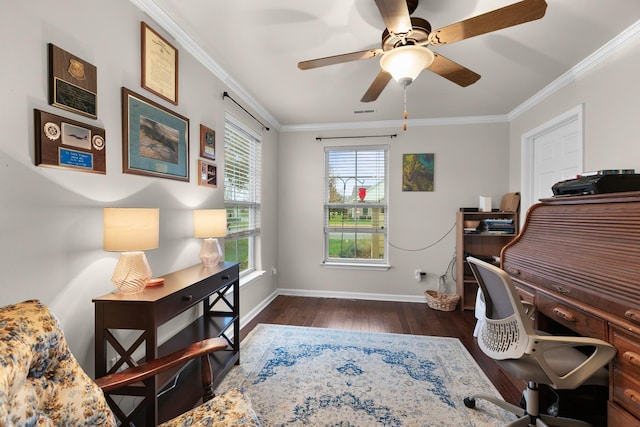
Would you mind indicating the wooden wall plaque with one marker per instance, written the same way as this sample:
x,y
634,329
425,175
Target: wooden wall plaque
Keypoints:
x,y
73,83
68,144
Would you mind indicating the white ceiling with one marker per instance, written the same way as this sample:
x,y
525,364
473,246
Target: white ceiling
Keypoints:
x,y
255,45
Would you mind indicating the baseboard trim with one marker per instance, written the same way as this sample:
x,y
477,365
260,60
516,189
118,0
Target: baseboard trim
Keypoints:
x,y
351,295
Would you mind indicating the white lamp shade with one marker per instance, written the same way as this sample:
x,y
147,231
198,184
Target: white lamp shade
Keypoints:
x,y
131,229
209,223
405,63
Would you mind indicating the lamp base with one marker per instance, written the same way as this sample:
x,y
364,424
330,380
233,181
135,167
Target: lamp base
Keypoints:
x,y
211,252
132,272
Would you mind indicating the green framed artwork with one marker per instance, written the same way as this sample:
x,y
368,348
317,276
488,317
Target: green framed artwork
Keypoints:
x,y
417,172
155,140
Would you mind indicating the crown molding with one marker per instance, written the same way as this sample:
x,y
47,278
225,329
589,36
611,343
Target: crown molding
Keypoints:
x,y
169,25
394,123
581,68
150,8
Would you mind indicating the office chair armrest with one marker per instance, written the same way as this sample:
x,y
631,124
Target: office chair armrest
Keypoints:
x,y
154,367
601,356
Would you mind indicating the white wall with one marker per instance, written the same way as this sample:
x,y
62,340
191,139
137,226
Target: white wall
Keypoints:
x,y
51,219
610,94
470,160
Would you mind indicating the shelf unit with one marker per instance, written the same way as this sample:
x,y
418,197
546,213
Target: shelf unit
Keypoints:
x,y
481,244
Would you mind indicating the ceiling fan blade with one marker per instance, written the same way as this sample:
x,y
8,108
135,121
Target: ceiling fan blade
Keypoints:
x,y
376,88
395,15
339,59
508,16
453,71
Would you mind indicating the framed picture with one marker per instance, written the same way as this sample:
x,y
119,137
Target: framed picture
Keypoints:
x,y
155,140
73,83
207,142
418,172
159,65
208,176
68,144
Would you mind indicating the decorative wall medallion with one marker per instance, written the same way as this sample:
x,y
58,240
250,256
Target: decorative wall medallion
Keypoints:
x,y
76,69
98,142
51,131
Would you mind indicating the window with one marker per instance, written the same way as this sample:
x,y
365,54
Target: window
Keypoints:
x,y
355,209
242,172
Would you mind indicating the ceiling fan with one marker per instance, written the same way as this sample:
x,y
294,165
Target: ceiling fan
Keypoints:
x,y
404,52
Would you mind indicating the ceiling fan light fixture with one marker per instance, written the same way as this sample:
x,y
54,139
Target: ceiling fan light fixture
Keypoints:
x,y
405,63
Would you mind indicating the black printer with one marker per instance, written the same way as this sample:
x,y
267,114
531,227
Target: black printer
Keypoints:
x,y
597,184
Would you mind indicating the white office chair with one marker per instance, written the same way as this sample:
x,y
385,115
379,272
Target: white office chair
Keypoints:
x,y
507,336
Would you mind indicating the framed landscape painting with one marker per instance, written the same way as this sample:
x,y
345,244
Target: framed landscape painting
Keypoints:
x,y
155,140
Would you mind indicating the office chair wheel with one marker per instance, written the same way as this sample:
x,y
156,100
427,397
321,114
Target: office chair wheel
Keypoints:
x,y
470,403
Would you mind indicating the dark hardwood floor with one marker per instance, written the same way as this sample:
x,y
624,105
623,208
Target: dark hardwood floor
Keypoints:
x,y
391,317
587,403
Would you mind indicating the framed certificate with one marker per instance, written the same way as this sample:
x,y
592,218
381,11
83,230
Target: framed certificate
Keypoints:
x,y
159,65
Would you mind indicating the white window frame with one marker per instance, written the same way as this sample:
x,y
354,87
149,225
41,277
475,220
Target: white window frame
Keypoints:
x,y
243,198
382,263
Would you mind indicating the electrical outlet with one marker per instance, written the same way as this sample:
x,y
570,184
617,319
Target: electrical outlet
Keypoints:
x,y
274,271
418,275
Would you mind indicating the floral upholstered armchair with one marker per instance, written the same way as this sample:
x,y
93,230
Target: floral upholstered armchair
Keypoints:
x,y
42,384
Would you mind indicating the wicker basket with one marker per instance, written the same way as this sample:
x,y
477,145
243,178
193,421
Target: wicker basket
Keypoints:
x,y
440,301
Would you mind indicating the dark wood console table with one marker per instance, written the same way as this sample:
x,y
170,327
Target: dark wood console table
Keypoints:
x,y
578,260
126,333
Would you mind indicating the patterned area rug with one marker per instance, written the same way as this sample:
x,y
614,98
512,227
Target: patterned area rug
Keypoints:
x,y
328,377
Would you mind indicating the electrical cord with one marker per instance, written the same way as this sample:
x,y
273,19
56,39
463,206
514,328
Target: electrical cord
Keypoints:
x,y
425,247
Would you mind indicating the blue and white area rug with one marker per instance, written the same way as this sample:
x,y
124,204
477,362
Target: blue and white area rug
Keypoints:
x,y
327,377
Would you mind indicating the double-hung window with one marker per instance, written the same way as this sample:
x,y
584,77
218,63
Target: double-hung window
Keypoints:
x,y
355,206
242,176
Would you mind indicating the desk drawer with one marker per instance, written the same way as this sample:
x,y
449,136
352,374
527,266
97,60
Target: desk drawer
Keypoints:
x,y
179,301
626,390
572,317
628,347
618,417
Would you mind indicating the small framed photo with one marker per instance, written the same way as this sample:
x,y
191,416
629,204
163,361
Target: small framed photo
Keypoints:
x,y
207,143
208,176
159,65
155,140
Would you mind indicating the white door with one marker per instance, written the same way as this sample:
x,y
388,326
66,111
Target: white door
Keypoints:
x,y
552,152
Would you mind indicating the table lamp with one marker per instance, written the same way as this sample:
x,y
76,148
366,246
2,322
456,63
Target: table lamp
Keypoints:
x,y
131,231
208,224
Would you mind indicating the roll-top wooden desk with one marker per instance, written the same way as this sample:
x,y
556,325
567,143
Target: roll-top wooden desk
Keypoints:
x,y
577,259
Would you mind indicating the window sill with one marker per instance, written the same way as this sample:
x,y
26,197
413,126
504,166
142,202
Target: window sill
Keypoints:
x,y
251,277
344,265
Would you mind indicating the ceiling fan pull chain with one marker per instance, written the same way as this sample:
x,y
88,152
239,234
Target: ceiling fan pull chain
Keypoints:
x,y
404,125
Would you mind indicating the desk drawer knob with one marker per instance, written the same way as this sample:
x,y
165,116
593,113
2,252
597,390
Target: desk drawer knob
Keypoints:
x,y
565,315
633,315
632,358
225,277
632,395
187,297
